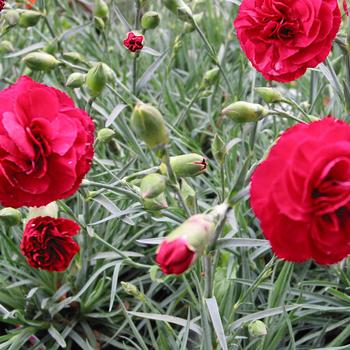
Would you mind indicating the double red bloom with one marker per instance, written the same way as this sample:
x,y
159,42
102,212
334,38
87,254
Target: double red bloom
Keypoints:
x,y
284,38
46,144
47,243
301,192
134,42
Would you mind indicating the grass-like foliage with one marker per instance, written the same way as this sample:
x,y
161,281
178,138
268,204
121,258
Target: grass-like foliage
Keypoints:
x,y
216,303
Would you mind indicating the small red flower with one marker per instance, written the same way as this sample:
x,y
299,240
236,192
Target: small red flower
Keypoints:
x,y
175,256
47,243
2,4
133,42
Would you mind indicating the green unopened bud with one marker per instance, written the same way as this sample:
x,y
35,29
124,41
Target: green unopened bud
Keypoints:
x,y
150,20
97,78
155,204
269,95
73,57
179,9
153,185
51,47
10,216
189,26
105,135
257,328
148,123
243,112
50,209
99,24
210,78
6,46
218,148
188,194
101,9
11,17
29,18
41,61
186,165
132,290
76,80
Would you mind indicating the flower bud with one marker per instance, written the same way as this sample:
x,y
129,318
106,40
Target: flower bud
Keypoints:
x,y
180,249
269,95
101,9
29,18
40,61
51,47
186,165
11,17
132,290
73,57
150,20
10,216
257,328
218,148
210,77
155,204
105,135
6,46
179,9
99,24
243,112
148,123
153,185
76,80
97,78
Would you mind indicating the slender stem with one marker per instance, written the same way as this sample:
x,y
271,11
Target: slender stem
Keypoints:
x,y
184,112
286,115
212,54
174,183
209,276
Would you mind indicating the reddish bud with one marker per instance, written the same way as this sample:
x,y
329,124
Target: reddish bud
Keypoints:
x,y
2,4
133,42
175,256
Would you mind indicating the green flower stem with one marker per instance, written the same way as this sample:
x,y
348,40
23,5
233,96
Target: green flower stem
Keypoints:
x,y
212,54
283,114
174,183
296,105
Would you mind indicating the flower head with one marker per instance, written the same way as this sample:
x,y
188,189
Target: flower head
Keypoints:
x,y
2,4
284,38
47,243
301,192
46,145
134,42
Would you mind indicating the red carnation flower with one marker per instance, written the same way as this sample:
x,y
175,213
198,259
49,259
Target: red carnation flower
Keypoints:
x,y
46,144
284,38
47,243
301,192
2,4
175,256
133,42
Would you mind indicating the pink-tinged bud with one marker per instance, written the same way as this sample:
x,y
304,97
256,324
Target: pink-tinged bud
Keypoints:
x,y
176,256
189,240
2,4
134,42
